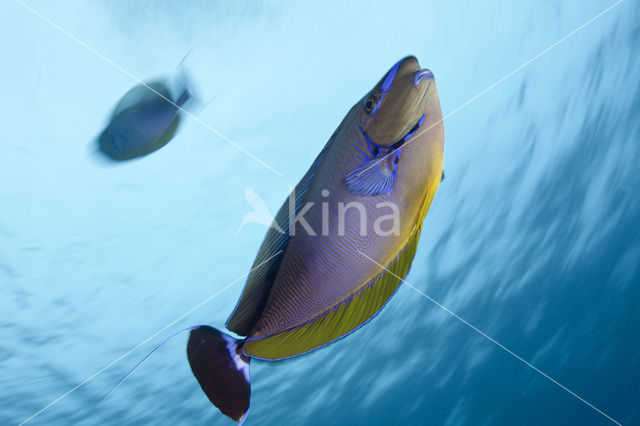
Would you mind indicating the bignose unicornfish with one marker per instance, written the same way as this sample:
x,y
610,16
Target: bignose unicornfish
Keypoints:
x,y
143,121
308,287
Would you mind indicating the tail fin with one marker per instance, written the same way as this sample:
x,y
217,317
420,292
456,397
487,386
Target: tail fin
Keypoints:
x,y
222,370
184,97
186,89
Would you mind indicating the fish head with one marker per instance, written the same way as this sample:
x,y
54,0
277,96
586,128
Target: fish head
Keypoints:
x,y
403,103
400,135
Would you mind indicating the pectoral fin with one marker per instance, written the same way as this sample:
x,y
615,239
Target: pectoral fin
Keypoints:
x,y
373,176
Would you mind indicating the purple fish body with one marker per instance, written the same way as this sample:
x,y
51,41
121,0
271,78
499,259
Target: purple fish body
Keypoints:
x,y
351,229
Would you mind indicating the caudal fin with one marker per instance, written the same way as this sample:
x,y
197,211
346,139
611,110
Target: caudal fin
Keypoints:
x,y
222,370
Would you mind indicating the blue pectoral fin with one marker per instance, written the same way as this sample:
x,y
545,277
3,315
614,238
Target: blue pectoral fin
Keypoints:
x,y
373,176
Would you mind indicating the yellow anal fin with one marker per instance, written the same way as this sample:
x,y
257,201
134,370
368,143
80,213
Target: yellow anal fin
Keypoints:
x,y
340,320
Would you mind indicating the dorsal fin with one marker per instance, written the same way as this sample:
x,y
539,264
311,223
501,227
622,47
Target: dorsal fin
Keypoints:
x,y
341,320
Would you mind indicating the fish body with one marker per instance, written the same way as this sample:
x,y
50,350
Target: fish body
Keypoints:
x,y
351,228
145,120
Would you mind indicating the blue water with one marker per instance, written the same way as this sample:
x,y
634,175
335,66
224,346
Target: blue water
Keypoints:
x,y
534,236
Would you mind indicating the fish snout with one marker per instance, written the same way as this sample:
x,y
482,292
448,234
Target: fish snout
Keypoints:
x,y
408,65
421,75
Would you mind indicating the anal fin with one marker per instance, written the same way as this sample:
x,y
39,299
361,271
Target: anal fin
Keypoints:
x,y
341,320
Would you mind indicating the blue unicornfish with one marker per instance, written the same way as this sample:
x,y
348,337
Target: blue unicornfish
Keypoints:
x,y
145,120
347,236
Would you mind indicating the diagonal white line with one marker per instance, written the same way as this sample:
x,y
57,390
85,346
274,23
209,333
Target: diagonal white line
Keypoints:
x,y
501,346
500,81
208,299
127,73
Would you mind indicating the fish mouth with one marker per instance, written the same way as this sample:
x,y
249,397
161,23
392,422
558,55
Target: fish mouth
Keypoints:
x,y
421,75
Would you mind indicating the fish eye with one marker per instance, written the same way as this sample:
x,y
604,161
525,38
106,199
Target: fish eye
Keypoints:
x,y
370,104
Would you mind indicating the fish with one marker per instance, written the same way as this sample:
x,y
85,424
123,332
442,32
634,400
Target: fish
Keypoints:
x,y
144,120
351,228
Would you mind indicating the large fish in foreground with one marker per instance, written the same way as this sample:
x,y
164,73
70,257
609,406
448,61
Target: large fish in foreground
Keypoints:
x,y
336,264
145,120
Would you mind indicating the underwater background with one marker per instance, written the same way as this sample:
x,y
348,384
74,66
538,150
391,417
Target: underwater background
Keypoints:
x,y
533,237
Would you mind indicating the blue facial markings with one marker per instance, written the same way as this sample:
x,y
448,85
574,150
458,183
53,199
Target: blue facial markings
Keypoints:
x,y
376,150
414,129
377,108
386,84
378,168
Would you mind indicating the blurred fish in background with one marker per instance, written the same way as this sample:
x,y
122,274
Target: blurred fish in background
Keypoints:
x,y
146,119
